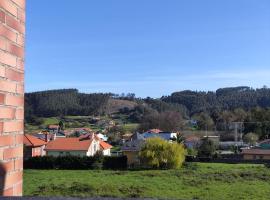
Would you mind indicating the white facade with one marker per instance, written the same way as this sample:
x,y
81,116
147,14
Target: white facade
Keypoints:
x,y
94,147
107,152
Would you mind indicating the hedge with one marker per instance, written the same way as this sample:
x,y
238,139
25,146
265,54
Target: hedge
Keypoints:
x,y
76,163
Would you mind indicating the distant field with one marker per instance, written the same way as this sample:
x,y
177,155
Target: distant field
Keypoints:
x,y
130,127
195,181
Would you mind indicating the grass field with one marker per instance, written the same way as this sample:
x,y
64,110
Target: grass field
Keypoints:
x,y
195,181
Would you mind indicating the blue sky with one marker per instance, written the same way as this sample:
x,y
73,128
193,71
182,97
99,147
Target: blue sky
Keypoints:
x,y
148,47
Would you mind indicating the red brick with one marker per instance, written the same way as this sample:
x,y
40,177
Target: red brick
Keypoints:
x,y
20,40
16,152
1,129
7,33
12,100
19,114
14,75
20,64
7,113
2,71
17,190
1,154
8,166
18,164
2,99
6,140
7,86
19,139
20,3
13,178
13,126
8,192
20,89
8,59
13,23
2,16
9,6
21,16
15,50
2,43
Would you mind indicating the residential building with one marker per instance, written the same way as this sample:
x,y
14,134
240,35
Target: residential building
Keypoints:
x,y
260,152
102,137
86,145
192,141
33,146
256,154
131,149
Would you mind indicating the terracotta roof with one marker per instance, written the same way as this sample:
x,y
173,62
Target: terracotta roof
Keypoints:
x,y
69,144
154,131
256,152
192,139
29,140
104,145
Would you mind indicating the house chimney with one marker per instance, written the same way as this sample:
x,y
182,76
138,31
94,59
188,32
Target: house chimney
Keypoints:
x,y
12,32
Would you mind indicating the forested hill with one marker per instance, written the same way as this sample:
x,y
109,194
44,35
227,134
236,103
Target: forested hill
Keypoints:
x,y
223,99
64,102
71,102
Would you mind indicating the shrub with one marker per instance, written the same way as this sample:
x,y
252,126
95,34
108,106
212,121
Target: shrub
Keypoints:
x,y
158,153
207,148
76,163
115,162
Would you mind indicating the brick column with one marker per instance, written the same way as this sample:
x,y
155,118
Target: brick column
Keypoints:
x,y
12,31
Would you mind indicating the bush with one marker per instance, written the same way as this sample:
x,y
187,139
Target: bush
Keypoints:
x,y
115,162
207,148
158,153
76,163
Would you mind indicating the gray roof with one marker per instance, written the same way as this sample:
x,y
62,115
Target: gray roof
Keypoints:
x,y
133,145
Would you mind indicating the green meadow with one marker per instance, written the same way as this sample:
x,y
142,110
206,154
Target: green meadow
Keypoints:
x,y
193,181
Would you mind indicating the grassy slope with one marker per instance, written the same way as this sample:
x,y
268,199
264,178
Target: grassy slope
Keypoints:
x,y
202,181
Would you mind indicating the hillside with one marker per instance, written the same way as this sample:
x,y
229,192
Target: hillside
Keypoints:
x,y
71,102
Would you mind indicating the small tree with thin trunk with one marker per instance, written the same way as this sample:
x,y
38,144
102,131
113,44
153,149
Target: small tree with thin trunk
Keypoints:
x,y
251,138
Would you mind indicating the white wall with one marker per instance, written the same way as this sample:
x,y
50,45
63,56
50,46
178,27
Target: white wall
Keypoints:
x,y
94,147
107,152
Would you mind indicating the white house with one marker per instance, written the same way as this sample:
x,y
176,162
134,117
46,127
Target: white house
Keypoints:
x,y
86,145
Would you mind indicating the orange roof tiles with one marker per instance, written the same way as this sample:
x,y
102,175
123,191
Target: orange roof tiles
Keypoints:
x,y
29,140
105,145
69,144
154,131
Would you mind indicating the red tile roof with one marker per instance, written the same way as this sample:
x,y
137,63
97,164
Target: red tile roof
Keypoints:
x,y
69,144
76,144
29,140
154,131
105,145
256,152
192,139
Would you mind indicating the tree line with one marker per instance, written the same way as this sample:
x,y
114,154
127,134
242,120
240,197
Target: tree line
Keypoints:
x,y
64,102
211,110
